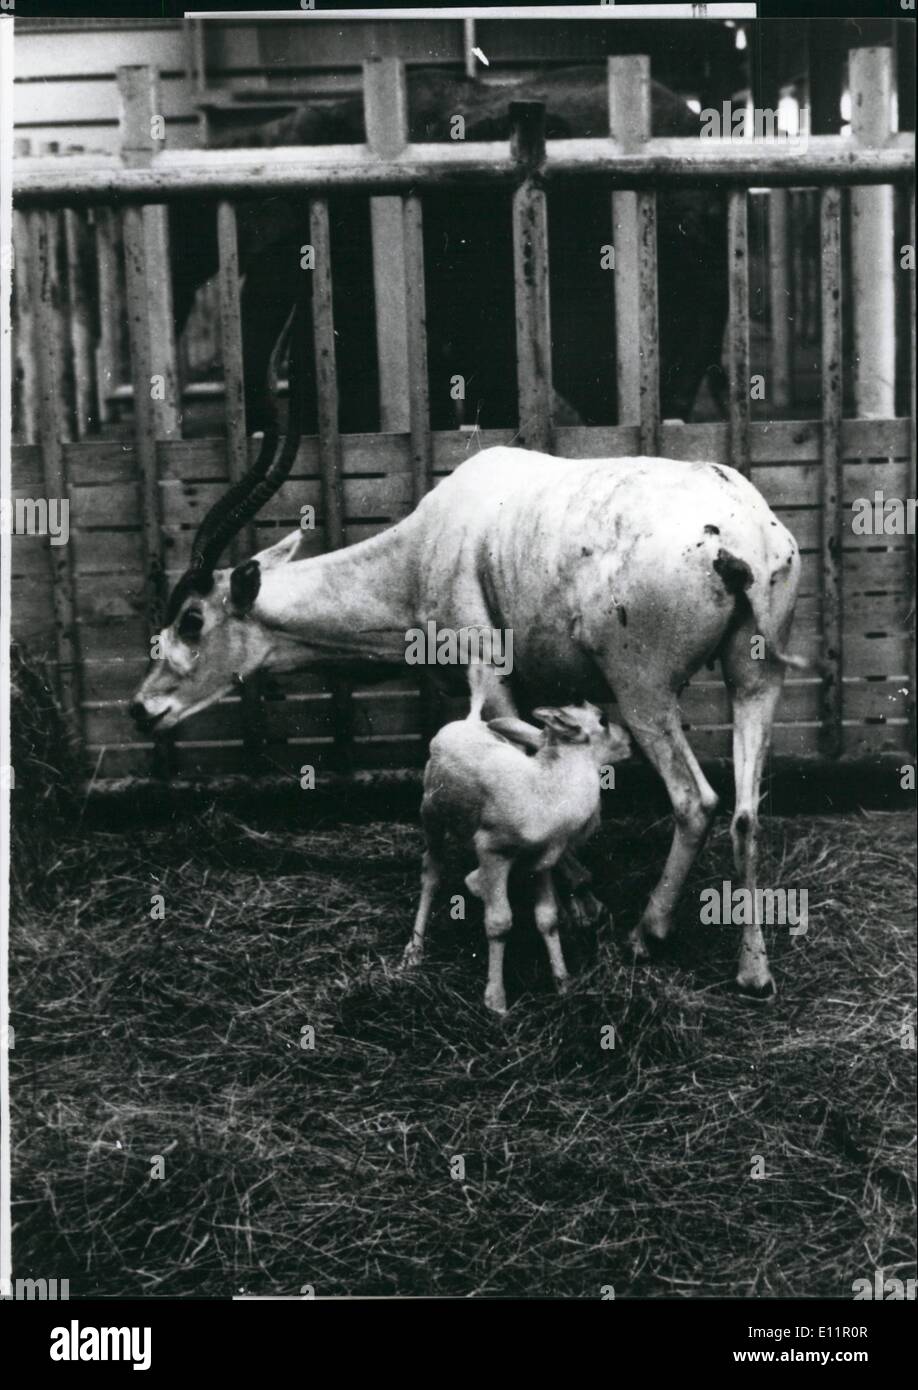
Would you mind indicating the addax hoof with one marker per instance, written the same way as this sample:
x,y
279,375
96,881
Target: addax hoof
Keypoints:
x,y
757,993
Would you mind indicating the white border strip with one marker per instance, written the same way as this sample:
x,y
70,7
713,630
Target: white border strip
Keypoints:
x,y
596,11
6,280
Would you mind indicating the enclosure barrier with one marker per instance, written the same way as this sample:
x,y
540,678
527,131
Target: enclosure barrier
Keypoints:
x,y
94,603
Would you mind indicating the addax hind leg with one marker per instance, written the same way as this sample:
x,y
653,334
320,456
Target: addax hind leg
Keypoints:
x,y
755,686
654,720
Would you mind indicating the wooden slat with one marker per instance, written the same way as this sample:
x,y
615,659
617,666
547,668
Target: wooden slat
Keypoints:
x,y
431,713
780,442
872,240
145,440
634,223
329,438
23,326
137,106
781,338
385,103
231,353
419,396
251,707
530,278
831,742
238,173
221,759
326,373
79,251
140,105
43,229
738,327
912,488
112,312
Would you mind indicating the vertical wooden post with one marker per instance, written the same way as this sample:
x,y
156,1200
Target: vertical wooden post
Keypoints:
x,y
779,302
140,108
421,459
468,43
831,733
530,277
111,318
197,62
42,227
57,289
419,397
244,543
24,329
738,327
138,104
634,234
385,104
79,251
323,326
912,488
872,242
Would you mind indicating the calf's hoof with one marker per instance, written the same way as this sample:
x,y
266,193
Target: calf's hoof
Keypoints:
x,y
496,1001
585,910
412,956
645,946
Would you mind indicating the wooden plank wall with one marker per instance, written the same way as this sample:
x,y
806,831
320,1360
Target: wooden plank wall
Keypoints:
x,y
134,503
378,477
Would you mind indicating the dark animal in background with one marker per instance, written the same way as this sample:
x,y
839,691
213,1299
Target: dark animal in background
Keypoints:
x,y
469,262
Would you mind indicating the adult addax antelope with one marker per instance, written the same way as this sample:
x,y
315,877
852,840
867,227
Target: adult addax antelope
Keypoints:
x,y
618,577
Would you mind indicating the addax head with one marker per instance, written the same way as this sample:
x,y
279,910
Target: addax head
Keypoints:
x,y
212,638
211,642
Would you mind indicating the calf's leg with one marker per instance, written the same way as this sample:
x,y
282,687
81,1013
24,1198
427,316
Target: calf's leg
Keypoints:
x,y
430,881
489,882
546,916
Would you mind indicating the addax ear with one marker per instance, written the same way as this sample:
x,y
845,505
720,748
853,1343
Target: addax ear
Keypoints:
x,y
245,581
282,552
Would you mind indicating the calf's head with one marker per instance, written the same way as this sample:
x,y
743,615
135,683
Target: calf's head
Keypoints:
x,y
585,724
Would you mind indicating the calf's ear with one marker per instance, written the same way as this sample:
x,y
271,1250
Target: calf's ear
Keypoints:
x,y
560,725
245,581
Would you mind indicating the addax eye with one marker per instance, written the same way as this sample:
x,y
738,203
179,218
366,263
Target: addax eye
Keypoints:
x,y
191,623
604,720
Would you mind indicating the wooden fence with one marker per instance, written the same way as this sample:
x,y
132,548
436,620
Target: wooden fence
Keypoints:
x,y
93,603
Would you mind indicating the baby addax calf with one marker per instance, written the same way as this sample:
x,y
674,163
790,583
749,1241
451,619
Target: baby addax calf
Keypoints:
x,y
482,786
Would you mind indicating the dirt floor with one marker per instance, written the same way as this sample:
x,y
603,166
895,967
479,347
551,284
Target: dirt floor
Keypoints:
x,y
176,1133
